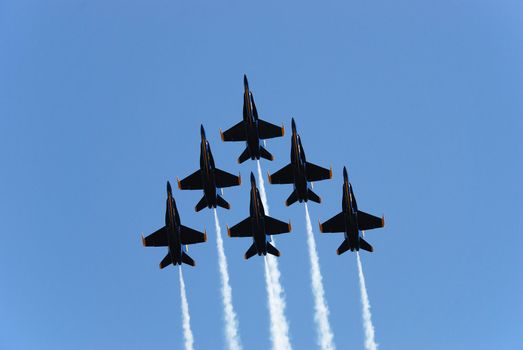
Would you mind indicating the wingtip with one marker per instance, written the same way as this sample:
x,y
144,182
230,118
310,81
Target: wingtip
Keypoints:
x,y
383,221
321,226
239,179
143,241
269,177
338,252
245,256
290,226
282,130
221,135
330,173
228,231
205,235
179,184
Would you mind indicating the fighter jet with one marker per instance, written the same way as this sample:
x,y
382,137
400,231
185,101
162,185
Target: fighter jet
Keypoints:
x,y
258,226
209,178
300,173
173,235
351,221
252,129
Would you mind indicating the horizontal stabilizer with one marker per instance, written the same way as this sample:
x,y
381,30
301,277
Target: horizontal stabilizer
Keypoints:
x,y
265,154
272,250
192,182
292,198
201,204
365,246
156,239
225,179
236,133
344,246
222,202
267,130
244,156
368,221
250,252
186,259
166,261
282,176
313,196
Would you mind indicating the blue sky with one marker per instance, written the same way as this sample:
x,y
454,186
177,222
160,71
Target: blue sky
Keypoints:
x,y
100,105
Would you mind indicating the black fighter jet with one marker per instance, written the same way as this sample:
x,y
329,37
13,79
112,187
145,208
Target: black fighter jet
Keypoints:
x,y
258,226
173,235
299,173
351,221
252,129
209,178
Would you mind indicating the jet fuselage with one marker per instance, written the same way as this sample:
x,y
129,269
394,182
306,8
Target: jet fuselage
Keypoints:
x,y
207,171
172,222
298,161
257,213
250,117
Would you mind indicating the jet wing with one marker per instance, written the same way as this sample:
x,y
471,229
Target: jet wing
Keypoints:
x,y
368,221
156,239
282,176
192,182
236,133
225,179
317,173
190,236
274,226
241,229
268,131
334,224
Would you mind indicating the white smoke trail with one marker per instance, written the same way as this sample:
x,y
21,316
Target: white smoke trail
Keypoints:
x,y
321,310
263,194
231,323
186,317
276,296
370,343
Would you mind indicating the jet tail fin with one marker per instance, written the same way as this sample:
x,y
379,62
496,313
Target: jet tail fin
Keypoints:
x,y
186,259
344,246
292,198
272,250
222,202
201,204
313,196
365,246
265,154
244,156
250,252
166,261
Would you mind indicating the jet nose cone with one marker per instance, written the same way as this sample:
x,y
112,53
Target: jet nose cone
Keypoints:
x,y
169,189
202,131
253,179
345,174
293,123
245,82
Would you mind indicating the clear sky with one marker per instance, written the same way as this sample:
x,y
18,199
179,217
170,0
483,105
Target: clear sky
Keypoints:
x,y
101,104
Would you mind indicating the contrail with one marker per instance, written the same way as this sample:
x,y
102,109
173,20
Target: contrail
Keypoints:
x,y
321,310
186,317
370,343
231,323
276,296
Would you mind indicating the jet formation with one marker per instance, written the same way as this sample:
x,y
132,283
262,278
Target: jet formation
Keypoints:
x,y
258,226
